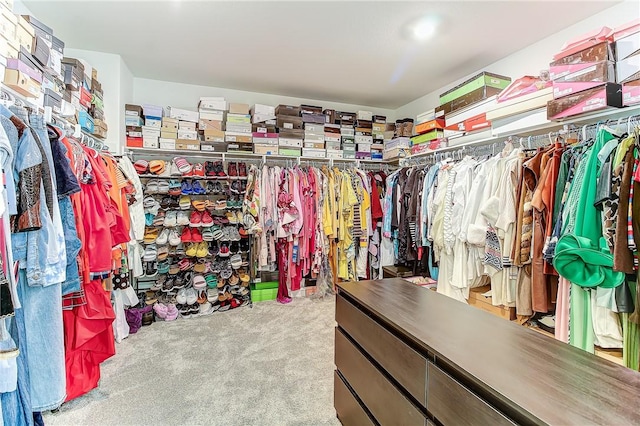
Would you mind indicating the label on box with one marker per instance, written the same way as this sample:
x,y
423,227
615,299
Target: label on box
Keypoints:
x,y
288,125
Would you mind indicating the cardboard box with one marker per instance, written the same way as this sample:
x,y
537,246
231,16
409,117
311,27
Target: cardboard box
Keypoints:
x,y
238,108
169,134
314,128
150,143
238,118
134,142
183,114
22,83
290,152
240,147
187,134
609,95
25,34
169,127
364,139
187,125
476,299
331,137
153,122
259,109
483,81
430,125
310,137
238,137
627,46
213,146
204,124
289,142
528,102
265,138
314,145
149,110
313,118
239,127
188,144
265,149
212,115
363,147
599,52
631,93
214,136
468,99
289,110
333,153
396,153
25,68
314,152
628,69
288,122
213,103
332,146
166,143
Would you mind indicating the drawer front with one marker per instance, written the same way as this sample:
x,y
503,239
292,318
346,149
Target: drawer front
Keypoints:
x,y
453,404
402,363
348,409
379,395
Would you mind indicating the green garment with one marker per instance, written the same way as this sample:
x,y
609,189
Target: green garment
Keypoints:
x,y
581,248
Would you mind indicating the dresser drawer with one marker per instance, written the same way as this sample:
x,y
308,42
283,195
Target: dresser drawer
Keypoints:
x,y
453,404
348,409
401,362
379,395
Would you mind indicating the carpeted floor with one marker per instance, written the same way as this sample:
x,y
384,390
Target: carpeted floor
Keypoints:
x,y
267,365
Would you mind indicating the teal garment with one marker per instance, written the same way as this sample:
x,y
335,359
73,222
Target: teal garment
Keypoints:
x,y
582,257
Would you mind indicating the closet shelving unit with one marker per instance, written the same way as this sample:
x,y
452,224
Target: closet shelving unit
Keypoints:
x,y
573,124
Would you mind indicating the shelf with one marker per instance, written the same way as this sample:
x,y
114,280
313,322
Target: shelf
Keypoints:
x,y
244,155
179,177
490,136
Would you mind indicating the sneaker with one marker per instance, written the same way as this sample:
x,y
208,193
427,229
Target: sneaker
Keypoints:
x,y
242,169
191,295
163,238
181,297
171,219
198,170
186,235
224,250
196,219
233,169
196,236
209,168
206,219
231,216
182,218
174,237
192,249
220,169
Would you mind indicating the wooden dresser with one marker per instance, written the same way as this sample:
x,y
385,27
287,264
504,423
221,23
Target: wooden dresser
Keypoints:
x,y
409,356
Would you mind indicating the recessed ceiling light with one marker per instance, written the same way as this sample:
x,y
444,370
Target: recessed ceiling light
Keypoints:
x,y
424,28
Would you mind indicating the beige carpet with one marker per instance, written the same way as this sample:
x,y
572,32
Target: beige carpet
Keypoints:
x,y
267,365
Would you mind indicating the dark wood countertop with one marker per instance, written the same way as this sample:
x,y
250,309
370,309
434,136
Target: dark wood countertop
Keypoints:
x,y
540,379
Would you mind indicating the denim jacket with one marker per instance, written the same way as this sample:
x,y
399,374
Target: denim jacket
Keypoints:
x,y
40,248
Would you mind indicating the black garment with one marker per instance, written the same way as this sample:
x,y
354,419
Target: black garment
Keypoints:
x,y
66,180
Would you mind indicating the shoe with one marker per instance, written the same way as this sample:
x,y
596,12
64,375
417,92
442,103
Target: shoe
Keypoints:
x,y
186,188
170,219
220,169
231,216
197,188
208,168
151,269
159,219
196,219
242,169
207,234
163,187
151,187
233,169
150,253
174,169
185,202
186,235
199,205
174,237
181,297
206,219
214,249
182,164
163,238
192,296
198,170
196,236
220,204
192,250
224,250
236,262
202,250
185,311
199,283
182,218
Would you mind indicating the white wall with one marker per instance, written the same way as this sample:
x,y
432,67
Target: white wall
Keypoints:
x,y
186,96
536,57
117,86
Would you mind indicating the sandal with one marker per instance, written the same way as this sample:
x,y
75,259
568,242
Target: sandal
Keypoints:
x,y
182,164
202,250
198,205
141,166
171,220
163,187
151,235
192,250
186,188
152,186
197,188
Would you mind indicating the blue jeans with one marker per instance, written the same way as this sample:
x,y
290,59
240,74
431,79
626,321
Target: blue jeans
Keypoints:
x,y
72,245
44,342
16,406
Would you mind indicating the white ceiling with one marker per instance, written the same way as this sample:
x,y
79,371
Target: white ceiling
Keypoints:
x,y
353,52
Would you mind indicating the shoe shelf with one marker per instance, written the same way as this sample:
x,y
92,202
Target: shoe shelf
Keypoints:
x,y
180,177
248,156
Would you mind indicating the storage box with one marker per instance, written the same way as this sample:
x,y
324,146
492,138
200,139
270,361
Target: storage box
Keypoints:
x,y
264,110
289,110
238,137
187,134
468,99
364,139
150,142
152,110
429,126
310,109
363,147
631,93
332,146
290,152
379,119
25,68
316,145
169,127
238,118
311,137
263,295
288,122
335,153
188,144
313,118
314,152
330,116
169,134
204,124
85,121
213,103
628,69
187,125
153,122
22,83
25,34
599,52
363,155
240,147
480,82
314,128
134,142
262,149
332,137
213,146
520,104
364,115
239,109
183,114
476,299
167,143
265,138
627,46
290,142
396,153
212,115
239,127
609,95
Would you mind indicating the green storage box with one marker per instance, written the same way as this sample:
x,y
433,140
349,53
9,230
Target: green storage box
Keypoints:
x,y
427,137
264,294
290,152
482,80
265,285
